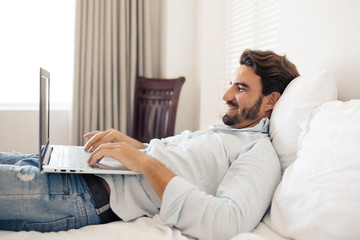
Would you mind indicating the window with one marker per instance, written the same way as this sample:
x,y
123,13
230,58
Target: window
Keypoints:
x,y
247,24
34,34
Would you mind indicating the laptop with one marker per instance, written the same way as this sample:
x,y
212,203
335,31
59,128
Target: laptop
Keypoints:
x,y
66,159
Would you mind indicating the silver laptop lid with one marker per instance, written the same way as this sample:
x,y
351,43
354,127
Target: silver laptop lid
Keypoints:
x,y
44,116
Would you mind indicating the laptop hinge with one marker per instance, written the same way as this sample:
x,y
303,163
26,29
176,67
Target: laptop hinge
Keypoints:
x,y
47,155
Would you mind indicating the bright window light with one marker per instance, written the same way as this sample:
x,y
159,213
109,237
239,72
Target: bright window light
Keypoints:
x,y
34,34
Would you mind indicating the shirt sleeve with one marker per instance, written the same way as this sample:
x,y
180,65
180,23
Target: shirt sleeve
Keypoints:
x,y
240,202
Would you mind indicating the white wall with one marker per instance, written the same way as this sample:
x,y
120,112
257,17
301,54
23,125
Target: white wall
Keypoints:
x,y
209,61
20,129
324,34
179,58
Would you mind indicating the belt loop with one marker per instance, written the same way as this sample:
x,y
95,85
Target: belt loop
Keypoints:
x,y
103,209
65,183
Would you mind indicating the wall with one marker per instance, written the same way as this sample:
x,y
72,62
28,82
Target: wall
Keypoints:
x,y
209,61
179,58
324,34
19,129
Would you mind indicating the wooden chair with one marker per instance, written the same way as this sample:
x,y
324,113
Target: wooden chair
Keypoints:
x,y
155,107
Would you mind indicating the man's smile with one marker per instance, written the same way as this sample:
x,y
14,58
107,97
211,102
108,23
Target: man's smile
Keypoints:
x,y
231,106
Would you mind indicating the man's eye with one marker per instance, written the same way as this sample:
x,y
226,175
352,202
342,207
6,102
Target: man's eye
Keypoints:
x,y
241,89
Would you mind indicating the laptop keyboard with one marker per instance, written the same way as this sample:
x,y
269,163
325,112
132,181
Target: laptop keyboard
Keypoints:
x,y
70,156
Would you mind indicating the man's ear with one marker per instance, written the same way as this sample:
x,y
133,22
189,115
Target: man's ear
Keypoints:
x,y
272,99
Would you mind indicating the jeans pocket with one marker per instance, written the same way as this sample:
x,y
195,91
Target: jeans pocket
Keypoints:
x,y
54,226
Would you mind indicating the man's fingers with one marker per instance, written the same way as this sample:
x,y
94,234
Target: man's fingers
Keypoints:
x,y
96,157
102,147
105,150
108,138
94,139
90,134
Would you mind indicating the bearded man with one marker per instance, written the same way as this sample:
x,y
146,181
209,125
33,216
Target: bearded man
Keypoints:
x,y
210,184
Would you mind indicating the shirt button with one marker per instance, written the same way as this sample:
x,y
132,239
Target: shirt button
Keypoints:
x,y
165,143
189,137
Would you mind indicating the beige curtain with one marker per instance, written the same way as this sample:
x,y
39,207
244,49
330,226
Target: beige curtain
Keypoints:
x,y
112,47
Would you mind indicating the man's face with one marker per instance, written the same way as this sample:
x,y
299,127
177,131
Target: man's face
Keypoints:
x,y
246,104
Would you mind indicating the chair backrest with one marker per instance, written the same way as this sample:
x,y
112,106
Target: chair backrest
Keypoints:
x,y
155,106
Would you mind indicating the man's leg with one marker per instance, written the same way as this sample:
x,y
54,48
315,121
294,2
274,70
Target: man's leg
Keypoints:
x,y
12,158
33,200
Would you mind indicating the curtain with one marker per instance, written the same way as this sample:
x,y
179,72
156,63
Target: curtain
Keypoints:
x,y
112,47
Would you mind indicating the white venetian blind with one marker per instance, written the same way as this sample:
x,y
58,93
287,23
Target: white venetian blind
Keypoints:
x,y
252,24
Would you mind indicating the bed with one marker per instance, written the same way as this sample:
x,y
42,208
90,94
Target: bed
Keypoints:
x,y
317,139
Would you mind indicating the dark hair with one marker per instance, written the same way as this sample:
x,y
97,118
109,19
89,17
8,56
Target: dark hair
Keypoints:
x,y
275,71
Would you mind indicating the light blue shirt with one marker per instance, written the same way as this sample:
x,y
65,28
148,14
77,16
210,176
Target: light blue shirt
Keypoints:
x,y
225,181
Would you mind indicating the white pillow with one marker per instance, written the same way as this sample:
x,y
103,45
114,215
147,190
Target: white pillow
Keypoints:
x,y
304,92
319,196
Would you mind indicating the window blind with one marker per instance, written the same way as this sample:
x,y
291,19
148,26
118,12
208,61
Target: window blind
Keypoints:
x,y
252,24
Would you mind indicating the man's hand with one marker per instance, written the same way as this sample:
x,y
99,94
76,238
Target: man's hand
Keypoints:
x,y
126,154
97,138
137,161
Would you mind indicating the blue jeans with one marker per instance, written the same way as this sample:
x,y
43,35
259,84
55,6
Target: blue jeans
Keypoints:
x,y
34,200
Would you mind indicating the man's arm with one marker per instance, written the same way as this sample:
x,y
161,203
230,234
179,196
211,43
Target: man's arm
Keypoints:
x,y
240,201
157,174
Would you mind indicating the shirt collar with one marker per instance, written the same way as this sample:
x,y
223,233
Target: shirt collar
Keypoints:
x,y
262,126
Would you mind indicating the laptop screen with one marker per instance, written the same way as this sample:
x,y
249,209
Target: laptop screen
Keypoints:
x,y
44,116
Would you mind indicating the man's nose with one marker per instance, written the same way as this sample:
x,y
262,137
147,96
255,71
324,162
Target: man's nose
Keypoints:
x,y
228,95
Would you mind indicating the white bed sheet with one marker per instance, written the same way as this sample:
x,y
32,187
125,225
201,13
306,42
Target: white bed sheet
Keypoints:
x,y
141,228
261,232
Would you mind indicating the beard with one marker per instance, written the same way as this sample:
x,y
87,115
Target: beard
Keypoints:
x,y
250,113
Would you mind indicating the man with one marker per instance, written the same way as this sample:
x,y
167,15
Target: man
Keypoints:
x,y
211,184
